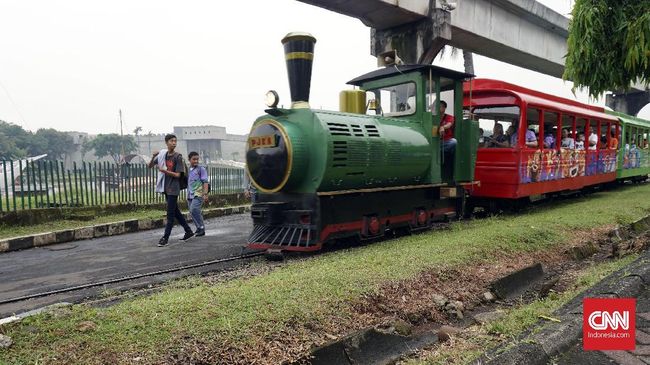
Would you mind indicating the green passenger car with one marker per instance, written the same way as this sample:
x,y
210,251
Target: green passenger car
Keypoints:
x,y
633,153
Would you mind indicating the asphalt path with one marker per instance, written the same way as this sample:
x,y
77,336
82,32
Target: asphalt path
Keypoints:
x,y
53,267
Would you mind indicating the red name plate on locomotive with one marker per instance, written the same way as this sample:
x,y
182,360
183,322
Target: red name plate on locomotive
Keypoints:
x,y
262,141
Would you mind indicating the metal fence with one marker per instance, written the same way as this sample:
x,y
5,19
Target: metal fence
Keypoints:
x,y
48,184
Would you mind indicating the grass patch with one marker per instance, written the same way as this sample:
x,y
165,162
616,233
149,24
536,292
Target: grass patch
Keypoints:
x,y
477,340
246,311
7,231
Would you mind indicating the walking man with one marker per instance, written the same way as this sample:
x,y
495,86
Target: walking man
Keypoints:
x,y
250,192
171,169
197,192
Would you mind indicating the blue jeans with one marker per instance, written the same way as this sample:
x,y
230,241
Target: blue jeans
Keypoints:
x,y
174,212
448,150
449,146
195,205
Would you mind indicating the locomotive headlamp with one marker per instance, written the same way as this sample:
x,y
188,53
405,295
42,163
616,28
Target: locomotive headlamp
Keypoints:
x,y
272,99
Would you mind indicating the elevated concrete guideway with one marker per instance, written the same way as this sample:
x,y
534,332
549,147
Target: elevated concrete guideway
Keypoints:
x,y
520,32
524,33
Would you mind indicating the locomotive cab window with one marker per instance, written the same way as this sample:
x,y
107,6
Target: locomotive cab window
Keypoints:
x,y
446,95
397,100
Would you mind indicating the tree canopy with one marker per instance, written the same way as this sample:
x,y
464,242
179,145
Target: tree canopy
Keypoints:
x,y
110,145
15,142
609,45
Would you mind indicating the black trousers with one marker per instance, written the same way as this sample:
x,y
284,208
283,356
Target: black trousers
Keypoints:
x,y
174,212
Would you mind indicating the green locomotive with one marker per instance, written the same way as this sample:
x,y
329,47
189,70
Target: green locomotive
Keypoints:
x,y
324,175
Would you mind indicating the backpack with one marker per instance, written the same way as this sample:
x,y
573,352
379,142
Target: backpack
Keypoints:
x,y
183,179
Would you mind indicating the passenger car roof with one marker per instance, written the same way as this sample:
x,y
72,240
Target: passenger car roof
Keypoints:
x,y
535,97
629,119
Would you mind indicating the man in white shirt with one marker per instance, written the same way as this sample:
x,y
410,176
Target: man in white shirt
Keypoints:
x,y
593,139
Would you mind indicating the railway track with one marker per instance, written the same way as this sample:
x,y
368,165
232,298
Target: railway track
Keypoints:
x,y
126,278
129,277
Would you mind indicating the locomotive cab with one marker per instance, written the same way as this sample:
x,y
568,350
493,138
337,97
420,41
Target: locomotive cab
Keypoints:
x,y
413,94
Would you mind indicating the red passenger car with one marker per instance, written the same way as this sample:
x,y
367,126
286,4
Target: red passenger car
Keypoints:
x,y
536,143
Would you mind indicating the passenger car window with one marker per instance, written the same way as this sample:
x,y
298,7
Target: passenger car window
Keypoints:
x,y
568,132
531,134
551,130
593,135
498,124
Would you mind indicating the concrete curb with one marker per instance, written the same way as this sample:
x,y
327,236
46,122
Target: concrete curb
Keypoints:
x,y
103,230
370,346
547,340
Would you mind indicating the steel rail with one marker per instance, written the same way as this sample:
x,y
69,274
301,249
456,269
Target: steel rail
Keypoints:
x,y
129,277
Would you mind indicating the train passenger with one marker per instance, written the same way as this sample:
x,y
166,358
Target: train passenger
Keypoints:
x,y
580,142
567,142
498,139
447,132
593,139
613,141
511,133
531,138
171,168
549,137
197,192
481,138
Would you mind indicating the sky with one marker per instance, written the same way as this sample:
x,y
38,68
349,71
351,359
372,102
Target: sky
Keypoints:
x,y
73,64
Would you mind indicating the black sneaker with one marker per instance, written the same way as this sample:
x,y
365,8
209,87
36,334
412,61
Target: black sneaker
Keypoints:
x,y
187,236
163,242
199,233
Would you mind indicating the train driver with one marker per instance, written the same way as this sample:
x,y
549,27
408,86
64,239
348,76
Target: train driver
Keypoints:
x,y
447,131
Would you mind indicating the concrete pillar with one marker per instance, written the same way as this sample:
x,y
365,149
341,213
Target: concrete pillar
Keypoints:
x,y
416,43
630,102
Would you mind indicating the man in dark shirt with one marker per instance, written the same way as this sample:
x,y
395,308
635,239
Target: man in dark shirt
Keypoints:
x,y
171,169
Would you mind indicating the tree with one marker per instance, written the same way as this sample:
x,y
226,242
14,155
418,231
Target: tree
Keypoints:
x,y
110,145
137,131
56,144
17,141
8,148
609,45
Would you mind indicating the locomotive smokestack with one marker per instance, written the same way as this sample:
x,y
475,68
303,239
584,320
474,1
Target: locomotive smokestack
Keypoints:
x,y
299,53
